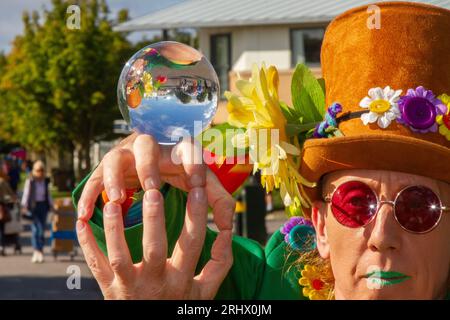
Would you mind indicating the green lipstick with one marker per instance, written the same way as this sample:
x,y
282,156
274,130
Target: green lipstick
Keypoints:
x,y
386,278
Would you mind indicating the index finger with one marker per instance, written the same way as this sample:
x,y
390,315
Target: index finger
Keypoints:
x,y
146,151
94,186
95,259
90,193
115,164
222,203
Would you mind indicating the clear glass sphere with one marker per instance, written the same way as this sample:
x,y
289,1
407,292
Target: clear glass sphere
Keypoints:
x,y
168,90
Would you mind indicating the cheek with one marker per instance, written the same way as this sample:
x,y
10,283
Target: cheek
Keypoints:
x,y
434,252
436,244
347,245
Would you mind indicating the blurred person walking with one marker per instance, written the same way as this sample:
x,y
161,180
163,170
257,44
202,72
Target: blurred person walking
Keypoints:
x,y
37,200
7,196
14,174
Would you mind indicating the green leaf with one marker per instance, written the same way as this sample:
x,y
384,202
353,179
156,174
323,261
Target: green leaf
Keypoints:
x,y
308,96
322,85
217,139
296,129
289,113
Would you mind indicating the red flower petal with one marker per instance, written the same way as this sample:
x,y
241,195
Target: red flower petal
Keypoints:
x,y
317,284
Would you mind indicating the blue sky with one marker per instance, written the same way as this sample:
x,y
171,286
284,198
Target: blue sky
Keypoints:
x,y
11,14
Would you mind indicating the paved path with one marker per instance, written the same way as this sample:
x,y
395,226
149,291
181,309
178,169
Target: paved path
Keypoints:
x,y
20,279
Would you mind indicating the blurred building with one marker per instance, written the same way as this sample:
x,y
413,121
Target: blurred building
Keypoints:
x,y
234,34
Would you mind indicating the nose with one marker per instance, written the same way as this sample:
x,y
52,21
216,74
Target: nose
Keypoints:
x,y
385,234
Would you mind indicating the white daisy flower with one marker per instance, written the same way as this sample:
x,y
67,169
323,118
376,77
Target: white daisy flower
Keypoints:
x,y
383,106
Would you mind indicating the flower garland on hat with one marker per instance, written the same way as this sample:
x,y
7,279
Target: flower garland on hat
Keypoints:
x,y
419,109
329,125
443,120
259,116
383,107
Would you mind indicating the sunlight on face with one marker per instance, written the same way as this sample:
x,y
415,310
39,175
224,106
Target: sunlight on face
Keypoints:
x,y
381,260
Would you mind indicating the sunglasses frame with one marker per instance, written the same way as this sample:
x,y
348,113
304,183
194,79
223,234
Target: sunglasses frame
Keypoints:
x,y
442,208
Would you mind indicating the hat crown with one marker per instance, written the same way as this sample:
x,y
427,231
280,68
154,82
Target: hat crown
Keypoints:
x,y
402,45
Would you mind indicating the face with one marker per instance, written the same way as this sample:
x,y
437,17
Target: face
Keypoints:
x,y
417,266
39,173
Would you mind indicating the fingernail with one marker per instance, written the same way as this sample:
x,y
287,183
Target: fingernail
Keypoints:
x,y
199,194
196,181
80,225
152,196
111,209
151,183
114,194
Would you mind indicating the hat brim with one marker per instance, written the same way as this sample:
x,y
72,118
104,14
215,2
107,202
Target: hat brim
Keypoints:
x,y
373,152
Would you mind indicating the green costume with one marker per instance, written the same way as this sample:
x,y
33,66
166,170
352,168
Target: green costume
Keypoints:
x,y
256,273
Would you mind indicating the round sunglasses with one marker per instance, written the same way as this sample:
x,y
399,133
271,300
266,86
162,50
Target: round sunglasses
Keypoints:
x,y
417,208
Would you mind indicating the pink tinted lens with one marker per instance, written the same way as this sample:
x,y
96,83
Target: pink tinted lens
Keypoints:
x,y
418,209
354,204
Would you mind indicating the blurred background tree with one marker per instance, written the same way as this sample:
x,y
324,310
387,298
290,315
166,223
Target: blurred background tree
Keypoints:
x,y
58,86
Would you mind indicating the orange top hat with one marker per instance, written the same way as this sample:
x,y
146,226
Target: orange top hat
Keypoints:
x,y
383,128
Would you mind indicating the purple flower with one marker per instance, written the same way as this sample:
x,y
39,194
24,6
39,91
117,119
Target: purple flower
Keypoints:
x,y
419,108
330,120
334,109
292,222
319,131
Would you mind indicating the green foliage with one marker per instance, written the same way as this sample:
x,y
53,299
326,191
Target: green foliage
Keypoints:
x,y
291,115
322,84
2,61
58,86
308,96
296,129
217,139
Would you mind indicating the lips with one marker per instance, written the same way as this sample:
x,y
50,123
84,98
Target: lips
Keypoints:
x,y
386,278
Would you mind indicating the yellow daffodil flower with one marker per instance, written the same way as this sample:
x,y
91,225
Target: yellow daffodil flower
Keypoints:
x,y
258,110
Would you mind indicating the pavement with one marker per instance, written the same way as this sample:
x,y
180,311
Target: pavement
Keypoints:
x,y
21,279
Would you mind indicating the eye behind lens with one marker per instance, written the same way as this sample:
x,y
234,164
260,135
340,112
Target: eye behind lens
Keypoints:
x,y
354,204
418,209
